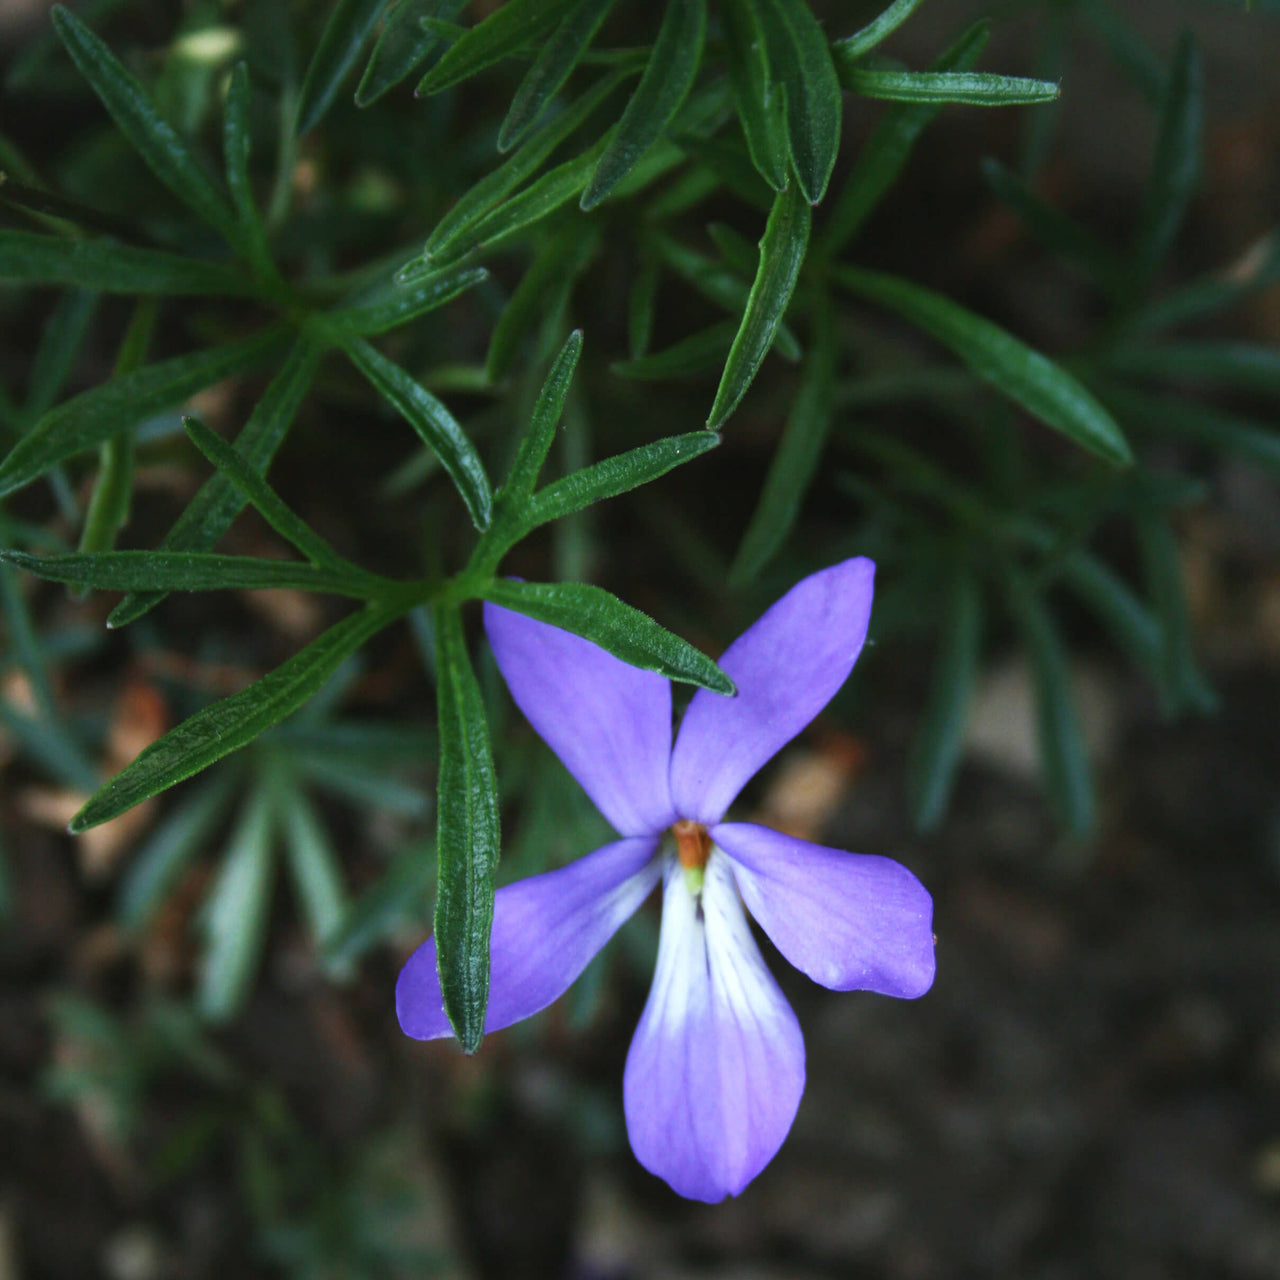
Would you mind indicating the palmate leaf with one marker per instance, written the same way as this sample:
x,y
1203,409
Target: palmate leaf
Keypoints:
x,y
438,429
99,413
28,257
963,88
515,24
468,838
232,722
667,79
800,62
155,140
782,250
552,67
1041,387
349,25
217,503
403,46
602,618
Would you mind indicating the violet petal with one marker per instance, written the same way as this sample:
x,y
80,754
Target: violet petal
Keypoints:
x,y
716,1069
609,723
851,921
787,666
545,931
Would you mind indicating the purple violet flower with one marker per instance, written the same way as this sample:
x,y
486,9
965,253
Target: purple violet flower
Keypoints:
x,y
716,1069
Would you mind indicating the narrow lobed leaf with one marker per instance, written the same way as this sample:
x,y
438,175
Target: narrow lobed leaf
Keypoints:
x,y
762,107
99,413
667,79
217,503
542,425
800,61
349,25
552,67
782,250
624,631
403,46
502,33
468,837
438,429
876,31
404,303
696,354
619,474
1039,385
232,722
155,140
963,88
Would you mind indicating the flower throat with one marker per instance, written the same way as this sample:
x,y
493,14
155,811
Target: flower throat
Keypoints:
x,y
693,848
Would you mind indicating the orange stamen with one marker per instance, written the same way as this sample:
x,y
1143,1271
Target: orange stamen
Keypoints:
x,y
693,844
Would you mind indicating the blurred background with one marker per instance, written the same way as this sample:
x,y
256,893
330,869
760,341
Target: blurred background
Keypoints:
x,y
195,1086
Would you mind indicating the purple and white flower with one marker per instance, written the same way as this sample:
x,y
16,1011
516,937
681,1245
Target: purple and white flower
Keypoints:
x,y
716,1069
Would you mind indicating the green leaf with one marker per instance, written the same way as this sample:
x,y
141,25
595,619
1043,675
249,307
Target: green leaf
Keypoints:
x,y
1063,755
155,140
502,33
232,722
552,67
1041,387
217,503
706,349
762,108
542,427
403,46
667,79
1144,69
60,345
313,865
625,632
157,865
940,743
27,257
1244,366
1053,229
376,912
236,915
99,413
619,474
1257,442
1131,624
877,30
888,149
786,237
235,151
539,199
641,302
491,190
554,270
965,88
344,35
468,838
254,489
800,61
435,425
187,571
1175,173
1180,679
407,302
797,455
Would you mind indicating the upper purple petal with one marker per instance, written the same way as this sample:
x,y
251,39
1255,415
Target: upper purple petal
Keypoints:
x,y
716,1068
787,667
609,723
545,931
851,921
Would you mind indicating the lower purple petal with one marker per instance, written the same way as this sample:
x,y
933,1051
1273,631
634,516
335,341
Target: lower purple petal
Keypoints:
x,y
546,929
851,921
716,1068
